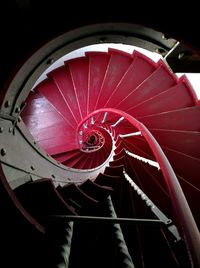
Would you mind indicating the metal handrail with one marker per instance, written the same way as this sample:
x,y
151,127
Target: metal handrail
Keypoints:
x,y
185,220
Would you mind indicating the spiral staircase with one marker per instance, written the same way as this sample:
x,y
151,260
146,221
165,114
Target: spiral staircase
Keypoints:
x,y
115,123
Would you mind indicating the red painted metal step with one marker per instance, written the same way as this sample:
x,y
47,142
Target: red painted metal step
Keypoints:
x,y
98,62
42,199
95,190
184,165
74,192
36,103
192,195
151,181
70,162
136,146
187,142
120,161
177,97
90,160
183,119
62,78
160,80
107,180
51,92
61,157
79,69
59,143
118,65
79,163
141,68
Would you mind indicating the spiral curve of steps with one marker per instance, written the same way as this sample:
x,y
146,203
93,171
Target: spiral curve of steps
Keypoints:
x,y
60,115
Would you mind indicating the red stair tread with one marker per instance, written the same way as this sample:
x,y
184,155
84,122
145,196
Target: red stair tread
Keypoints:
x,y
86,162
91,160
192,195
100,159
32,197
183,119
150,183
120,154
95,190
80,163
57,145
51,92
187,142
160,80
184,166
39,121
60,129
138,146
79,69
63,80
118,65
107,180
33,94
141,68
114,171
154,171
66,155
98,62
36,105
174,98
119,145
73,160
118,162
73,191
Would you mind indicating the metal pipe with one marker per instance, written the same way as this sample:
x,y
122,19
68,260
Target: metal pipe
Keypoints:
x,y
185,220
121,243
107,220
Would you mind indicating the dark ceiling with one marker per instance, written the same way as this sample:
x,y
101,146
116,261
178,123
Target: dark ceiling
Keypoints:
x,y
25,25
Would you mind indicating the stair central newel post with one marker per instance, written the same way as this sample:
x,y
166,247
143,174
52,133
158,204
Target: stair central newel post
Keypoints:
x,y
184,217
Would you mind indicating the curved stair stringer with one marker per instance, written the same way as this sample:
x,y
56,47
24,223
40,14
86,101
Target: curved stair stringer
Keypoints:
x,y
31,162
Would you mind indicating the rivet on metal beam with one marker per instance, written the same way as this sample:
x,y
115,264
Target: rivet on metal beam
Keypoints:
x,y
7,104
32,167
17,110
50,61
102,40
3,151
1,129
166,37
160,51
10,130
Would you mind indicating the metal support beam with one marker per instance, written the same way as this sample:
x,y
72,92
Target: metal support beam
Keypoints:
x,y
104,118
118,121
121,243
156,211
107,220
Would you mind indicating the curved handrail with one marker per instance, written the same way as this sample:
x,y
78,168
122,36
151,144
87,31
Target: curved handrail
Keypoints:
x,y
185,220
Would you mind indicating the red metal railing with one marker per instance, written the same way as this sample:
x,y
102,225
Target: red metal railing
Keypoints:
x,y
185,220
